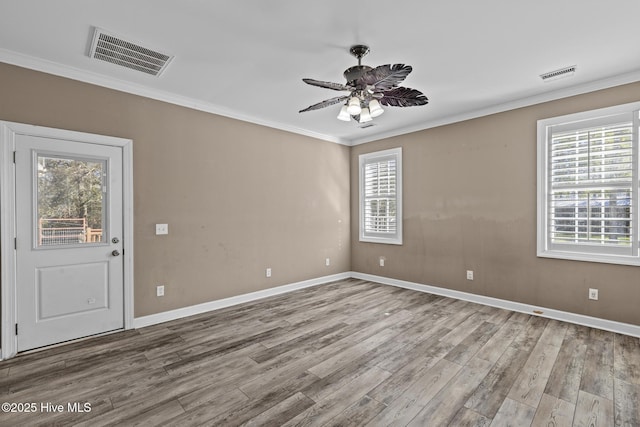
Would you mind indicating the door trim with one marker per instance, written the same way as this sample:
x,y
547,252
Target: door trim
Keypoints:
x,y
8,290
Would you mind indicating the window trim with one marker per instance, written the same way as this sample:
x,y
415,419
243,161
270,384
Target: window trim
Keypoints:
x,y
370,158
582,120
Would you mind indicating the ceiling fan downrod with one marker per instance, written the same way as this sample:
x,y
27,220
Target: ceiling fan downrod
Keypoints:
x,y
359,51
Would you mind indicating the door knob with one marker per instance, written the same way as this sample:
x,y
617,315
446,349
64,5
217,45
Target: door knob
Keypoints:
x,y
115,252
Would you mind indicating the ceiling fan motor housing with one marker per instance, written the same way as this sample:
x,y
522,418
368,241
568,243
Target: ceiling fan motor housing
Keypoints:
x,y
351,74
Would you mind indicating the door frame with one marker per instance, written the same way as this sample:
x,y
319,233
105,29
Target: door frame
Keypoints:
x,y
8,285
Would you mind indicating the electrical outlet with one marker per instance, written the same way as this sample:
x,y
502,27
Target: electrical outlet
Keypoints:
x,y
469,274
327,262
268,272
381,262
593,294
160,290
162,229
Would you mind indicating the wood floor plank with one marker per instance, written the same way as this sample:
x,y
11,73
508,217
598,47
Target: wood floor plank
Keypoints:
x,y
597,373
554,411
498,316
468,418
471,344
154,416
445,405
529,386
331,406
351,352
212,393
302,340
431,346
487,398
331,364
281,412
328,385
464,328
402,379
225,400
626,404
566,375
501,339
333,341
554,333
593,411
358,414
627,358
404,408
513,414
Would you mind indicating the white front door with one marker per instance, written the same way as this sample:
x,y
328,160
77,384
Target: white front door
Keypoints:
x,y
69,228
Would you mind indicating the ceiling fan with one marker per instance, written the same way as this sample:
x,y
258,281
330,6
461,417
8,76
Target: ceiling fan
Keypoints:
x,y
369,89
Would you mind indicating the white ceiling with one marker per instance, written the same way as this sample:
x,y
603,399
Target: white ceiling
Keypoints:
x,y
245,59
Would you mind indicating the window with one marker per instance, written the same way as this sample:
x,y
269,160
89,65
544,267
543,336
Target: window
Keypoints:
x,y
588,186
381,197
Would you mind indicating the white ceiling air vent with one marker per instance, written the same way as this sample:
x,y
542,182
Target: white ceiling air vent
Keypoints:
x,y
111,48
558,74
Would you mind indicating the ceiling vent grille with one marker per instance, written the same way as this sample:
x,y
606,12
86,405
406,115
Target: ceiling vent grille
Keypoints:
x,y
558,74
366,125
116,50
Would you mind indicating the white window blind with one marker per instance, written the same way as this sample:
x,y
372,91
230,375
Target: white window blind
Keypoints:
x,y
589,180
380,197
591,186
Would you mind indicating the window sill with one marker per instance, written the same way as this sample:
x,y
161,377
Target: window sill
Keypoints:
x,y
386,241
589,257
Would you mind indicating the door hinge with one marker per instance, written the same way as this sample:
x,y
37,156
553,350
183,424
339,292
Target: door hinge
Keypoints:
x,y
16,329
14,157
15,243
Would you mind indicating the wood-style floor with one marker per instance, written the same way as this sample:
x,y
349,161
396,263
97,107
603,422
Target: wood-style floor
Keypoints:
x,y
348,353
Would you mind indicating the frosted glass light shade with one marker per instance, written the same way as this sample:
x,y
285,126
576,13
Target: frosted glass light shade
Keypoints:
x,y
365,115
374,108
344,114
353,107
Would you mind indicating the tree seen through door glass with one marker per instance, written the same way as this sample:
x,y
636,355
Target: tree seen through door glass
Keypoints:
x,y
70,201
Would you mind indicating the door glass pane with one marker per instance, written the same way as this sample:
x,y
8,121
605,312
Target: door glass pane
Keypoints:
x,y
71,201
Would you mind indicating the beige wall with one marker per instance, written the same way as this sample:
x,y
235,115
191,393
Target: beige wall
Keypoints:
x,y
470,204
238,197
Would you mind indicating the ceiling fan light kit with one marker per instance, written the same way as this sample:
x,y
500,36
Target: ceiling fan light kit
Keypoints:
x,y
369,88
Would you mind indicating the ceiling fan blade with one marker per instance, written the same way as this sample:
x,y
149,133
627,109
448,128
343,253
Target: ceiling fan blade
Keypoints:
x,y
385,77
325,103
327,85
403,97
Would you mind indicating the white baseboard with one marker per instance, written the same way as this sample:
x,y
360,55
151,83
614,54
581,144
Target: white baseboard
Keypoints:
x,y
154,319
579,319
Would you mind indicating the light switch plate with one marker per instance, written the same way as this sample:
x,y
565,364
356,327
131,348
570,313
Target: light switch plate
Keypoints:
x,y
162,229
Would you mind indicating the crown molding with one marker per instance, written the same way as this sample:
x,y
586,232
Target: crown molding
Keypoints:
x,y
54,68
566,92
